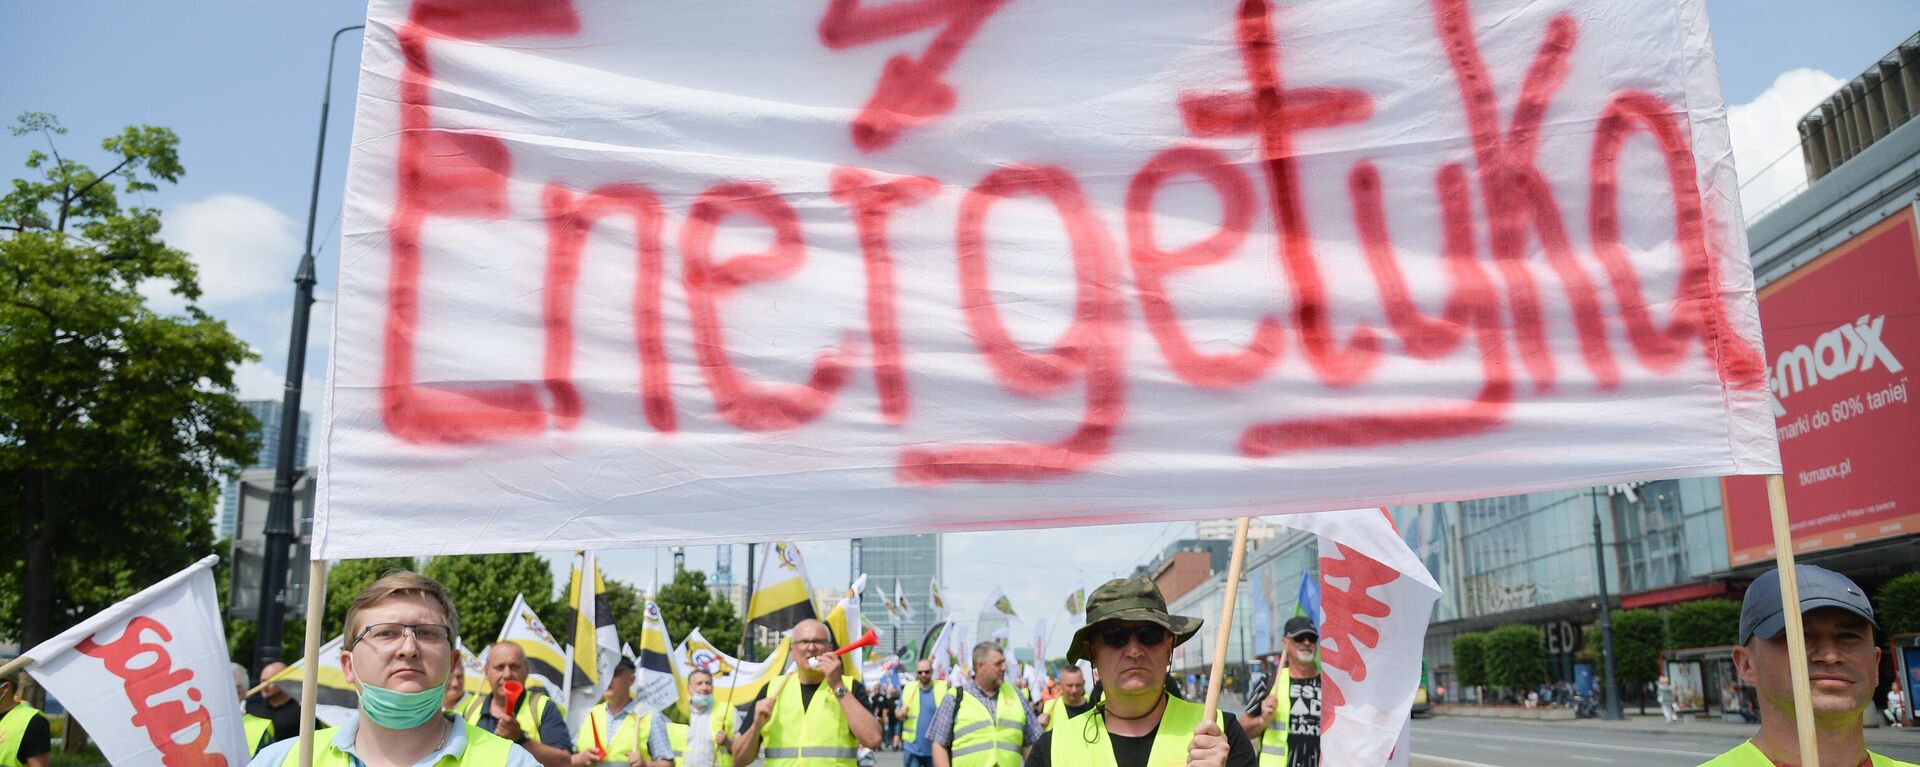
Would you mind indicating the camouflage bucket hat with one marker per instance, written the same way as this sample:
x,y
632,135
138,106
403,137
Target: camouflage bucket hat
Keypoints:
x,y
1128,599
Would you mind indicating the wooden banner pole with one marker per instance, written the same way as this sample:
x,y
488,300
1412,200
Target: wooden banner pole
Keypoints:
x,y
1790,607
310,677
1223,630
15,665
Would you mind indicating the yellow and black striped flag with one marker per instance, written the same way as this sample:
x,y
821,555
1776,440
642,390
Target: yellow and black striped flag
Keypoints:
x,y
781,596
596,641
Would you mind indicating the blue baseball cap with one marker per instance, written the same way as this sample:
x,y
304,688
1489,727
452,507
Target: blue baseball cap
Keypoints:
x,y
1761,614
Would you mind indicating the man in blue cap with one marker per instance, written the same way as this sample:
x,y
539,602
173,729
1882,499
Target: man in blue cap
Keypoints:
x,y
1843,667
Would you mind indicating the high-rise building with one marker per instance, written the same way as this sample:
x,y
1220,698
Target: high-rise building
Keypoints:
x,y
1258,531
268,411
913,561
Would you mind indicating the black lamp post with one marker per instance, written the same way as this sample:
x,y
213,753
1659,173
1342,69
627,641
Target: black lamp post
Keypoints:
x,y
1612,688
279,532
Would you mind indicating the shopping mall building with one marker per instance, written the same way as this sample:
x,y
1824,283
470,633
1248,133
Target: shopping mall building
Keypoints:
x,y
1838,270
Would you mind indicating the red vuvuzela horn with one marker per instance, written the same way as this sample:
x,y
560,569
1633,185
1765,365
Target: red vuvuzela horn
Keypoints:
x,y
868,639
513,690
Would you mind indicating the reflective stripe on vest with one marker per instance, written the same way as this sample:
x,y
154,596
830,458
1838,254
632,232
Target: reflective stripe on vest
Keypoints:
x,y
529,716
484,749
1170,739
259,732
814,735
908,725
979,741
1273,742
13,727
678,734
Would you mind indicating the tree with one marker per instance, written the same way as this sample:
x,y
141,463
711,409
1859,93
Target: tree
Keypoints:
x,y
1516,657
1703,623
483,587
1638,637
1470,659
346,579
1897,604
116,422
687,603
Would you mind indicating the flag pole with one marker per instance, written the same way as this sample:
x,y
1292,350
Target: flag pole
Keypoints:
x,y
15,665
310,678
1790,607
1221,630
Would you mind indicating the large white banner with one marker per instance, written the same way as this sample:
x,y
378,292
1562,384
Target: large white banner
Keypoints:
x,y
633,273
149,678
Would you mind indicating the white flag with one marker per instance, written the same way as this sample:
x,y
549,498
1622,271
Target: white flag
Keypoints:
x,y
656,684
338,701
149,677
1377,598
900,600
546,659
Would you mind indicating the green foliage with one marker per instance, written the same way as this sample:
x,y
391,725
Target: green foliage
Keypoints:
x,y
1470,659
346,579
116,423
1638,637
1516,657
686,603
1703,623
1897,604
483,587
627,605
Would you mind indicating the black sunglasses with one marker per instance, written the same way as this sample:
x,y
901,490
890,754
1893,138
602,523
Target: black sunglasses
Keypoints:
x,y
1149,635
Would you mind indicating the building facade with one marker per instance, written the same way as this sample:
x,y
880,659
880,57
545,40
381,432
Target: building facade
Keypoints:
x,y
913,562
268,412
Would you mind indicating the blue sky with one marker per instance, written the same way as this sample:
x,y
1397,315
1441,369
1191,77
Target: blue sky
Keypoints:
x,y
240,81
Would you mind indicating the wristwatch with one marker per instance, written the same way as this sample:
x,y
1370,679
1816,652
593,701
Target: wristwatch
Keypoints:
x,y
839,692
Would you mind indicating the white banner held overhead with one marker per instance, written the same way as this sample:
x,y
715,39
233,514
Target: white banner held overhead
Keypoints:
x,y
1377,597
149,677
624,274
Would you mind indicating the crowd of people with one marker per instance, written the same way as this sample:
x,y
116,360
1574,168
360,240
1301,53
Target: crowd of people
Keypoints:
x,y
400,656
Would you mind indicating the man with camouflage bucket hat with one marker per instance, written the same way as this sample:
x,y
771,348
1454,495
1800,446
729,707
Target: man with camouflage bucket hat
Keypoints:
x,y
1129,637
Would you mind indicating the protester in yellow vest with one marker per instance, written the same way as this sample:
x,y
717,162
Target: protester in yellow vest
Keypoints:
x,y
1072,700
798,728
537,723
1844,667
985,723
26,739
918,701
706,739
398,655
1289,722
1137,722
600,737
455,699
259,731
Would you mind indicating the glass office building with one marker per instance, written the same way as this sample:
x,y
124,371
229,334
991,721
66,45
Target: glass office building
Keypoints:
x,y
268,412
912,561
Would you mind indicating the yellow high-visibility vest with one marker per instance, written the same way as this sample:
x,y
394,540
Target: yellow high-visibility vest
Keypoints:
x,y
678,734
484,749
1089,746
13,727
1748,755
531,712
1273,742
813,735
980,740
910,696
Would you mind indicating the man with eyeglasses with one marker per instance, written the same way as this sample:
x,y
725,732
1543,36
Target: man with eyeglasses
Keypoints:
x,y
920,696
536,724
399,654
1072,700
1130,637
1289,722
798,727
995,731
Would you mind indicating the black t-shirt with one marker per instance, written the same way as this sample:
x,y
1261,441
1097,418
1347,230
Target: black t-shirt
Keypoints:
x,y
37,740
1133,751
1073,710
1303,723
806,693
285,717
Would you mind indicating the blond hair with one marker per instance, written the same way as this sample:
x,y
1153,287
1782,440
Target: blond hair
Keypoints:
x,y
403,583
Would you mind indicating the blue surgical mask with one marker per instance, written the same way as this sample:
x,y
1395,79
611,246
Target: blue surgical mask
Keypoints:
x,y
400,710
701,702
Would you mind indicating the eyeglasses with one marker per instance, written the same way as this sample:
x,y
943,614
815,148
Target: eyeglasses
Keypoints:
x,y
810,643
1306,639
386,635
924,672
1149,635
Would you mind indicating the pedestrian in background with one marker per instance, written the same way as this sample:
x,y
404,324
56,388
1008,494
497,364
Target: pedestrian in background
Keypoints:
x,y
1664,691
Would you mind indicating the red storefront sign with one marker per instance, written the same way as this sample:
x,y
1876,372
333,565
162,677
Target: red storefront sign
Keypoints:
x,y
1840,332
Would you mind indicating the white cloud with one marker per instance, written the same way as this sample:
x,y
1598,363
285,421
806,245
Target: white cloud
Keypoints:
x,y
1767,129
244,248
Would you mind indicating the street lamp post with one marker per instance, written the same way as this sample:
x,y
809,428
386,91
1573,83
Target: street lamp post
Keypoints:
x,y
279,531
1606,617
